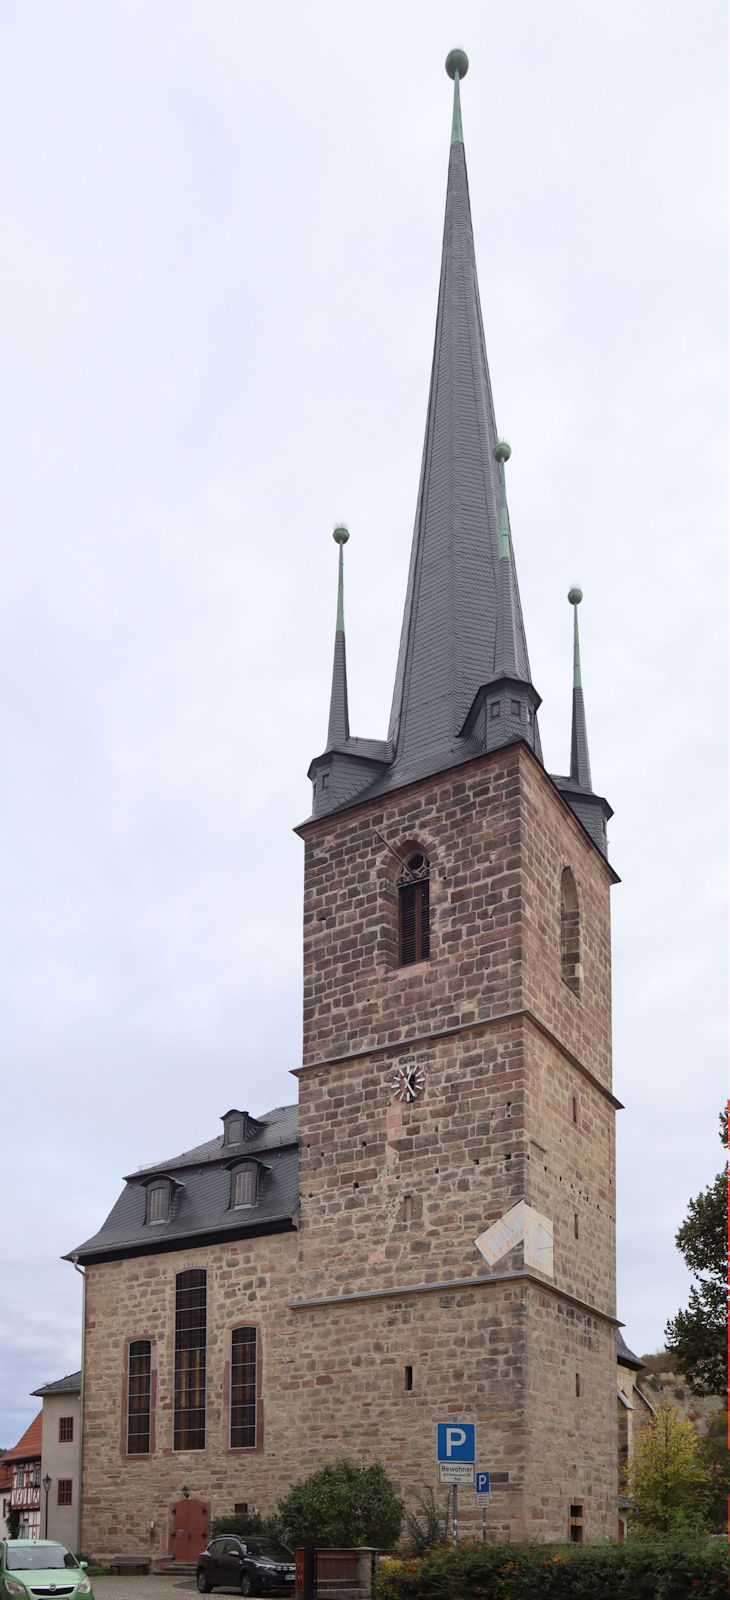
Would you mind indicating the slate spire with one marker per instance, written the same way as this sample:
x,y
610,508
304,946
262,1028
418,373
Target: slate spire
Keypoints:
x,y
338,730
580,766
449,634
505,646
591,809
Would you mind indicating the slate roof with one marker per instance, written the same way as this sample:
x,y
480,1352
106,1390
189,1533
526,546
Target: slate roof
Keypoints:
x,y
625,1356
29,1444
68,1385
456,594
200,1205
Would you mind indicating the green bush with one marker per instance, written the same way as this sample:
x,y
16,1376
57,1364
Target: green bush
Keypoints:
x,y
243,1522
634,1570
343,1505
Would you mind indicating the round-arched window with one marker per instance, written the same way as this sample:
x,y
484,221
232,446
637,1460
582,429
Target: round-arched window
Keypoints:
x,y
414,922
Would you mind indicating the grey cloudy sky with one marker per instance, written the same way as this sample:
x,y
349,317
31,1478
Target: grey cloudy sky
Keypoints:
x,y
218,278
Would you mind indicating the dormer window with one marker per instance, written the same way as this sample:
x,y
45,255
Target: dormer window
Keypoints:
x,y
158,1201
244,1185
234,1127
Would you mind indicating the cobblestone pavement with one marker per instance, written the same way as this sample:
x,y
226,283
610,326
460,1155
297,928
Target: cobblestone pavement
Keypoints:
x,y
145,1588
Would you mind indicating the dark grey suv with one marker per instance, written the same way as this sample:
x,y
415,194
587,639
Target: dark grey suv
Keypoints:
x,y
253,1565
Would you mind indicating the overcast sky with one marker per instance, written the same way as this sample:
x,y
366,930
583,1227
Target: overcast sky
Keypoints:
x,y
221,242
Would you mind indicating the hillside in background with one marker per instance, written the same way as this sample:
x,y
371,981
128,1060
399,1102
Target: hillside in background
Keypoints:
x,y
661,1381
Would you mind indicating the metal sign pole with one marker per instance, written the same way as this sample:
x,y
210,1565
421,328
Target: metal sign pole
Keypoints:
x,y
455,1524
484,1524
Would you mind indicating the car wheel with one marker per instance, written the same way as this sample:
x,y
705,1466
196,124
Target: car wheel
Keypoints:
x,y
246,1583
203,1583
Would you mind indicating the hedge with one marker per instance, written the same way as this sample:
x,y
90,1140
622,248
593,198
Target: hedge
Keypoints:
x,y
632,1570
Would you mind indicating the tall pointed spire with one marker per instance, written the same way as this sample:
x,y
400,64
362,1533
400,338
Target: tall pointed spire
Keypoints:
x,y
505,646
592,810
580,766
338,730
449,635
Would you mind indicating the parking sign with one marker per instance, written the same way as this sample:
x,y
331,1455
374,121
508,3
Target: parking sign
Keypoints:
x,y
455,1441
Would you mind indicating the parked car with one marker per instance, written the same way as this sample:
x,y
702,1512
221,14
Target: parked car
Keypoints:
x,y
252,1564
29,1567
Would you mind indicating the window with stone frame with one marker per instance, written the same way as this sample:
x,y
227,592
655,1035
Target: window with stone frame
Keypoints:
x,y
414,916
244,1361
569,931
139,1397
190,1360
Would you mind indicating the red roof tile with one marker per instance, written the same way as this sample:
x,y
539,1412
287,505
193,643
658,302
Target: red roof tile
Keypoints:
x,y
29,1445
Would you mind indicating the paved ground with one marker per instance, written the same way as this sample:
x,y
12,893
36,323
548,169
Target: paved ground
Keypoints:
x,y
145,1588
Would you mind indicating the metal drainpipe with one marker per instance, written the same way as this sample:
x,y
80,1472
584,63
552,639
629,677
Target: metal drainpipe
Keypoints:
x,y
82,1274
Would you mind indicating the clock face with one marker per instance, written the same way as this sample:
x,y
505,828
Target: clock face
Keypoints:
x,y
407,1083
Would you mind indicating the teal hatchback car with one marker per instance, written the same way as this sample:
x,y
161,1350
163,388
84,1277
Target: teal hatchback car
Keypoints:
x,y
40,1567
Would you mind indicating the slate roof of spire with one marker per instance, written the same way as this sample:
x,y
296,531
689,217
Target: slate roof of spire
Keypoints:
x,y
448,639
452,643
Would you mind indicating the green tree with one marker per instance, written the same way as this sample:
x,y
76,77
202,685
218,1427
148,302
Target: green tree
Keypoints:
x,y
342,1505
715,1460
698,1336
665,1480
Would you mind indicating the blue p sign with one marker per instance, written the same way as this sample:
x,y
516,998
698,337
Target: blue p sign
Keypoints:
x,y
455,1441
481,1483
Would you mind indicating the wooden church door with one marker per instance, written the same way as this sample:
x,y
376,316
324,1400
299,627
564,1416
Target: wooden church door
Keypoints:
x,y
189,1529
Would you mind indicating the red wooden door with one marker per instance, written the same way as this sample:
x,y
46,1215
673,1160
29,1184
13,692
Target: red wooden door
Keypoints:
x,y
189,1529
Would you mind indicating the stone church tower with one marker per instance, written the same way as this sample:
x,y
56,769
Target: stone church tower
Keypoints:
x,y
434,1240
456,1116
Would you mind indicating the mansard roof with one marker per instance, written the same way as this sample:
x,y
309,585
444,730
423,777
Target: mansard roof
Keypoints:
x,y
200,1208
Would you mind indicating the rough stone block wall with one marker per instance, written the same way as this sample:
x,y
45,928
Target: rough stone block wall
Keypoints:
x,y
393,1196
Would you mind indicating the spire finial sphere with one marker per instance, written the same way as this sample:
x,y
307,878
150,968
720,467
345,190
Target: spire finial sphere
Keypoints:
x,y
502,451
457,61
575,595
341,534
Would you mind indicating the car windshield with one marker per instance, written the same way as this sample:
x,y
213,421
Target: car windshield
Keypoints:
x,y
269,1549
38,1557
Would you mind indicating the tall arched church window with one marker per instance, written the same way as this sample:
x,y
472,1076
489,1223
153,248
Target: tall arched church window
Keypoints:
x,y
569,931
414,925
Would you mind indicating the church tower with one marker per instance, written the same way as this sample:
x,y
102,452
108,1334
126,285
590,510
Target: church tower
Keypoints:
x,y
456,1232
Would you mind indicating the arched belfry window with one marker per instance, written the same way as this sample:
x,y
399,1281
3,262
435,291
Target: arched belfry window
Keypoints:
x,y
569,931
414,925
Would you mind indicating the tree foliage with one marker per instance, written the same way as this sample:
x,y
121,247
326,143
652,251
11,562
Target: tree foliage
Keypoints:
x,y
698,1335
426,1527
243,1522
665,1480
342,1505
715,1461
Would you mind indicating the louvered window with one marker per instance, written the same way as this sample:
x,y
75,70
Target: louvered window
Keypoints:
x,y
138,1397
243,1389
190,1360
414,922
